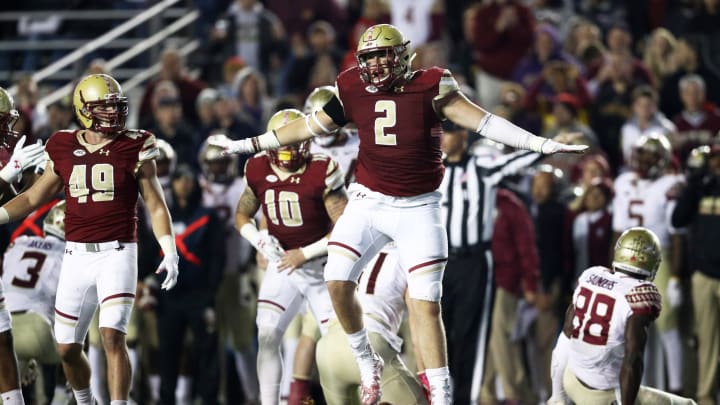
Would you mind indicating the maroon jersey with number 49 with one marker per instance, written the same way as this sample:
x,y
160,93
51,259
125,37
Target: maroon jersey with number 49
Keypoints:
x,y
294,206
399,131
101,189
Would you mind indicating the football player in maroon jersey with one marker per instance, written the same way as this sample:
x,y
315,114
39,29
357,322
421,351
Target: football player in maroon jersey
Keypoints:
x,y
398,113
301,195
13,162
102,168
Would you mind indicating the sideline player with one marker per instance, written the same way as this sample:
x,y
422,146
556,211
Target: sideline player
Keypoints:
x,y
102,168
598,359
398,113
301,195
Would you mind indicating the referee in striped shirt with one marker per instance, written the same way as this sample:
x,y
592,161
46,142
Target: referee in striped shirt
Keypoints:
x,y
468,203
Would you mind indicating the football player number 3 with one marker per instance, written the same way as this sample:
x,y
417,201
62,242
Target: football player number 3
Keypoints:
x,y
102,185
283,208
593,312
33,271
388,120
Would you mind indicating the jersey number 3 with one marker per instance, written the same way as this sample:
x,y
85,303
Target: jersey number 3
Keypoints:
x,y
593,312
102,183
33,271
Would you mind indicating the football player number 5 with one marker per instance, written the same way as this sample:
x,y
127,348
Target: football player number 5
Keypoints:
x,y
388,120
102,185
593,313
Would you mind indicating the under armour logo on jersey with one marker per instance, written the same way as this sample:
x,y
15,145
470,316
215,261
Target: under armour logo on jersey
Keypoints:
x,y
68,251
295,180
399,89
105,152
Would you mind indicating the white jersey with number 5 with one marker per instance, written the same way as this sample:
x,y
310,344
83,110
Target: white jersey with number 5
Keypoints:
x,y
644,202
603,302
31,269
381,291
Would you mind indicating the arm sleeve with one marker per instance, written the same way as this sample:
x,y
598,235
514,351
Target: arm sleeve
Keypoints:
x,y
334,109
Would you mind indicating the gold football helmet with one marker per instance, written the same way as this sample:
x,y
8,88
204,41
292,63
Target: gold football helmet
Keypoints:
x,y
651,155
290,157
389,46
637,251
316,101
216,166
54,222
99,104
8,114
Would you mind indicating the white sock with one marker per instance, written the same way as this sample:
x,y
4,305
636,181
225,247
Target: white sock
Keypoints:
x,y
359,343
245,366
439,379
12,397
154,387
288,355
269,366
672,346
134,364
84,397
182,390
98,381
118,402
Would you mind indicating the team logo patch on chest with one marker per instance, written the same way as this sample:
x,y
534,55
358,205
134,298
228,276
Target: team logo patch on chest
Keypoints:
x,y
271,178
79,152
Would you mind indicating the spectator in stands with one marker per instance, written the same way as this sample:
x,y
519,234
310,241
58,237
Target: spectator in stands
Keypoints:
x,y
512,99
699,121
503,34
515,262
227,119
582,34
172,68
60,116
419,20
707,19
592,227
253,103
557,77
658,55
205,108
547,47
373,12
565,110
604,13
169,125
317,65
645,119
592,166
231,67
298,18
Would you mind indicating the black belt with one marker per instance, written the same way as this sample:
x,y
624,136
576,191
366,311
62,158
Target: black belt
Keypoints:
x,y
15,313
474,250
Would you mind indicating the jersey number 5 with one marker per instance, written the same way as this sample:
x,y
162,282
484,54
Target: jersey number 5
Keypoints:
x,y
102,184
388,120
593,313
33,271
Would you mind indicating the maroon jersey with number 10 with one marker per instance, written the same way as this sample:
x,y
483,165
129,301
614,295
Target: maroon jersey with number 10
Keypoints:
x,y
294,206
399,131
101,189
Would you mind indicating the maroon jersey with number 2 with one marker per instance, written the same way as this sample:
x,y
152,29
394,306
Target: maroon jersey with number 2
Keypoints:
x,y
399,131
100,184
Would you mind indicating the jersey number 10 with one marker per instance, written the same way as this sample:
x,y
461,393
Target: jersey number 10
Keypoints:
x,y
593,312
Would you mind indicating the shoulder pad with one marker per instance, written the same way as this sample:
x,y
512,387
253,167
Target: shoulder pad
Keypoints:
x,y
645,299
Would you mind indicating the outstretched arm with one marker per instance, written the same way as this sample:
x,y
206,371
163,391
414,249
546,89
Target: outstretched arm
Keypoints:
x,y
41,192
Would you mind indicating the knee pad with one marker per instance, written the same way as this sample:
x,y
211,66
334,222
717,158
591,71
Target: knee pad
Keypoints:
x,y
342,265
426,286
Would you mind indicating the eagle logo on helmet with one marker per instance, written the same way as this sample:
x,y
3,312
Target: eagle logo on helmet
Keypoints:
x,y
290,157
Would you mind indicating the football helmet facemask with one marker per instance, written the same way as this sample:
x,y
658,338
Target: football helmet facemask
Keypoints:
x,y
8,114
637,251
99,104
651,155
216,166
54,222
316,101
290,157
387,46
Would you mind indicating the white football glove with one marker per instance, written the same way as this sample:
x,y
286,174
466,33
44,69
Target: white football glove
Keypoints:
x,y
169,264
229,147
550,147
22,158
270,247
674,292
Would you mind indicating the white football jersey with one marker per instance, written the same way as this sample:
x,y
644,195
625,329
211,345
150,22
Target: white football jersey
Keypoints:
x,y
603,303
223,199
31,270
643,202
345,155
381,291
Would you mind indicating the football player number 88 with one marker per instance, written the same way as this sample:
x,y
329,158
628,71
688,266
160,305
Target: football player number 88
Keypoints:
x,y
102,184
389,108
593,313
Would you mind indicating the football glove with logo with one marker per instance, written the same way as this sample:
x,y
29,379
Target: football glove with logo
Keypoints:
x,y
22,158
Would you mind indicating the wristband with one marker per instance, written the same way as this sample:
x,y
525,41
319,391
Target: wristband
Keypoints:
x,y
315,249
250,232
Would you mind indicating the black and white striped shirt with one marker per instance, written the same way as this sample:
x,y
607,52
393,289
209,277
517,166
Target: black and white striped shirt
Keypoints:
x,y
468,195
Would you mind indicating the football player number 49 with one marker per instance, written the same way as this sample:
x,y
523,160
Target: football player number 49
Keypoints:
x,y
102,184
389,108
593,312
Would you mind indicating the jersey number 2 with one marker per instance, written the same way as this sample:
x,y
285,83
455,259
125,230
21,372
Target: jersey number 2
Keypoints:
x,y
102,183
33,271
593,313
389,108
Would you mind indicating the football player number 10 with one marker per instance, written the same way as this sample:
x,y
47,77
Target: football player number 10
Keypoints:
x,y
102,184
283,207
593,312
